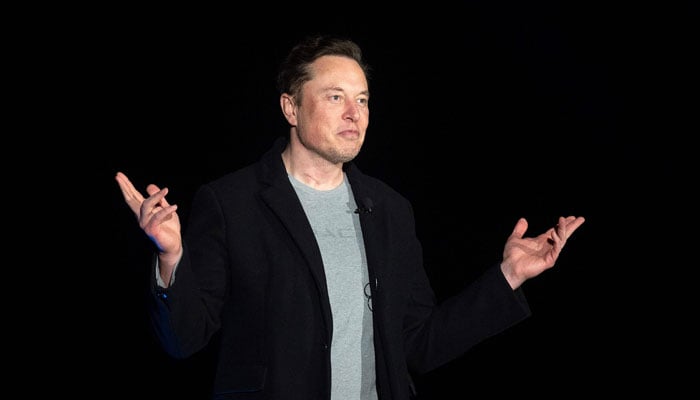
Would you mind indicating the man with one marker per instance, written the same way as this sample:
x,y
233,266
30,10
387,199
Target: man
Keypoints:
x,y
310,270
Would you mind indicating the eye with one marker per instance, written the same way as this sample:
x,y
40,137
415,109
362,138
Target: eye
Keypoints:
x,y
363,101
336,98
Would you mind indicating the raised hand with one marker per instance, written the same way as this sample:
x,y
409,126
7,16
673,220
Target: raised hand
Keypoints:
x,y
158,219
527,257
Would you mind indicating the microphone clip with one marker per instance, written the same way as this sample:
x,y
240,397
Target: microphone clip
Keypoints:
x,y
365,207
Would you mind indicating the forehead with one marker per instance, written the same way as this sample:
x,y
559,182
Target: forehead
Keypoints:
x,y
338,71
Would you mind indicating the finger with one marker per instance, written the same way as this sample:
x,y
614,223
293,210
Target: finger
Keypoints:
x,y
164,214
520,228
575,223
127,188
153,189
568,225
562,228
156,198
133,197
150,224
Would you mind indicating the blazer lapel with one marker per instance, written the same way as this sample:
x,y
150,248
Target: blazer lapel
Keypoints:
x,y
283,201
372,221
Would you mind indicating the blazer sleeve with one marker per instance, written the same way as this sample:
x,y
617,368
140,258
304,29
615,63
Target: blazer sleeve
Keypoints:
x,y
186,315
485,307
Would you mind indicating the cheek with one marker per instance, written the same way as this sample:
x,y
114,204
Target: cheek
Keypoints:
x,y
364,122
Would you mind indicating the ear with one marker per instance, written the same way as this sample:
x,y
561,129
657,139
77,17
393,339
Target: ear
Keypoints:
x,y
289,109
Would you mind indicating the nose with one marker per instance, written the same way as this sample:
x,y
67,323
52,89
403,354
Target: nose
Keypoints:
x,y
352,111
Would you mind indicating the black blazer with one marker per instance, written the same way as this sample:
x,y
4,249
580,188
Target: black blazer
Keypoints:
x,y
252,272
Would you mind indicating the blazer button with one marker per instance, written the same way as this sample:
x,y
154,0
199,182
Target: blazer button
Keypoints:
x,y
161,294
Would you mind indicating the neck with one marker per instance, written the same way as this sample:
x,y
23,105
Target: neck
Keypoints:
x,y
311,169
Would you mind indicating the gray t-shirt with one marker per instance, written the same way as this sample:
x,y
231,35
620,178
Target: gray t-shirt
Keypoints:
x,y
337,230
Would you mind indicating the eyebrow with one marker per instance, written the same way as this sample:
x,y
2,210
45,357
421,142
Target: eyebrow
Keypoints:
x,y
339,89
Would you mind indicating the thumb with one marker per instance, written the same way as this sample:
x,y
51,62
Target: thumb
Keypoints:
x,y
520,228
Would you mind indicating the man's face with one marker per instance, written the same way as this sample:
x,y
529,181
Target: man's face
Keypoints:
x,y
333,117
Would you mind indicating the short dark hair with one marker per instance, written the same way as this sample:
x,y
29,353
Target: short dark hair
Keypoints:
x,y
294,70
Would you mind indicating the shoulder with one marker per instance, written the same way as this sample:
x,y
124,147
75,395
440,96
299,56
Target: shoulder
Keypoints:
x,y
367,186
267,171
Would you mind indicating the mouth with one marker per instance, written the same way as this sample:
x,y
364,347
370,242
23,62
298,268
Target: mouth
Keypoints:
x,y
349,134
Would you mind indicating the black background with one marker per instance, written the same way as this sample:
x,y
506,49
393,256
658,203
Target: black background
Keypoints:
x,y
480,114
